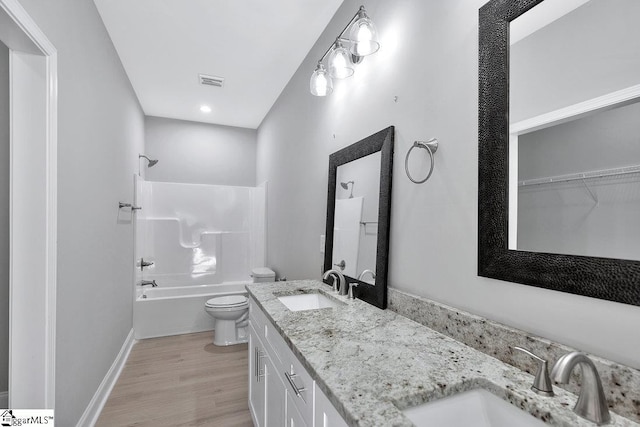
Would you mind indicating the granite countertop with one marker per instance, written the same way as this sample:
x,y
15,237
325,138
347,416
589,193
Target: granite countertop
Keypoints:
x,y
372,363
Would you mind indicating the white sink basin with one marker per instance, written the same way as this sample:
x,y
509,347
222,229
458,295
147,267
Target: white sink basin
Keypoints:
x,y
308,302
477,408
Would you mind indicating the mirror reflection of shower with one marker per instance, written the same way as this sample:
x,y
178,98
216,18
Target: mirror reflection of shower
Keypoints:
x,y
345,185
150,162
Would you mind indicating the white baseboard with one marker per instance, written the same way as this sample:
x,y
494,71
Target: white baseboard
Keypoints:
x,y
91,414
4,400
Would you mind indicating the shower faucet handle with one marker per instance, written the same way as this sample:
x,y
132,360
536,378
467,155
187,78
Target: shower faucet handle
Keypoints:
x,y
144,264
342,264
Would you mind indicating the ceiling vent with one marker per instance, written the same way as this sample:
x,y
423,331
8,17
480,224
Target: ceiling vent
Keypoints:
x,y
211,80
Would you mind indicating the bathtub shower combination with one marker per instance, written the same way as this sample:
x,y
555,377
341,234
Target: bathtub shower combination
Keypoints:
x,y
200,242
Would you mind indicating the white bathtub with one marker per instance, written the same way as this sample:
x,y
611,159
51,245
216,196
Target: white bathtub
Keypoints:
x,y
159,312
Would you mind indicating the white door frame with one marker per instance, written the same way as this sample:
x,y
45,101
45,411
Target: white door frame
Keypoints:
x,y
33,206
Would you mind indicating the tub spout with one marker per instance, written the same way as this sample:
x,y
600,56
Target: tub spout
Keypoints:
x,y
151,283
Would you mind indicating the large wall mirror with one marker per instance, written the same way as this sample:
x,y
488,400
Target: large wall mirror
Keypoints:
x,y
358,209
559,151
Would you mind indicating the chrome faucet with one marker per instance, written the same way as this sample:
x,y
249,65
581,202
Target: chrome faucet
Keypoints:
x,y
151,283
365,272
591,404
338,277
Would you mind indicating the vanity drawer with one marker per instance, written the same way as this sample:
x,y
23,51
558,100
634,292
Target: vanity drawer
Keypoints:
x,y
257,318
268,334
299,384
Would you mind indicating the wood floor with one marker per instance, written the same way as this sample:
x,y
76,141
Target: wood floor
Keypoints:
x,y
182,380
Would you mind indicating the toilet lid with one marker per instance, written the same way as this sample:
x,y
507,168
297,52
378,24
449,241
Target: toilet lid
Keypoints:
x,y
227,301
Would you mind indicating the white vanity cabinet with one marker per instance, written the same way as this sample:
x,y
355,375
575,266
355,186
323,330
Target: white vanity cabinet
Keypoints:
x,y
281,391
266,389
257,387
325,414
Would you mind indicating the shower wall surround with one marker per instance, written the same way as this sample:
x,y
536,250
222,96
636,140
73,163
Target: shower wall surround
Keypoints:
x,y
198,234
424,81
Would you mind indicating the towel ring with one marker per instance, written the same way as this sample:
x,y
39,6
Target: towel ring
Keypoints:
x,y
431,146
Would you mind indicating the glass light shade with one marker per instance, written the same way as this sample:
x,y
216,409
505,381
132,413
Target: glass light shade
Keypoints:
x,y
320,83
340,66
363,36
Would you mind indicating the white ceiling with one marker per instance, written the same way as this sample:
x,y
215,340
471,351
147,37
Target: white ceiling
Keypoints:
x,y
255,45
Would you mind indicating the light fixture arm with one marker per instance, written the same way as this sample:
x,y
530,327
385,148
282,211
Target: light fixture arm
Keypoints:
x,y
344,30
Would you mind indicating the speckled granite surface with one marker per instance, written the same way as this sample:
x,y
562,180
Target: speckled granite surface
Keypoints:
x,y
371,363
621,383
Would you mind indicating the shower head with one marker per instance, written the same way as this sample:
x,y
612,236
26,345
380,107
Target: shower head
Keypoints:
x,y
151,164
345,185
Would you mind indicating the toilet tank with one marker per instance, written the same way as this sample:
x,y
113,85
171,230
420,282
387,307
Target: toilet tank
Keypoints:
x,y
263,274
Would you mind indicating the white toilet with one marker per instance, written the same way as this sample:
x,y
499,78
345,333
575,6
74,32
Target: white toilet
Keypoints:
x,y
231,312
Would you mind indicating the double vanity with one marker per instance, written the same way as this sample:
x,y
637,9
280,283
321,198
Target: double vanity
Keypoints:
x,y
320,359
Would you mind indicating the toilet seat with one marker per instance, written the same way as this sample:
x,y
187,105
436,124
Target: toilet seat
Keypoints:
x,y
228,301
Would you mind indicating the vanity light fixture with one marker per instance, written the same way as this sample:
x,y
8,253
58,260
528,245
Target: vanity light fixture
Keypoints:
x,y
340,66
320,84
344,53
205,108
363,35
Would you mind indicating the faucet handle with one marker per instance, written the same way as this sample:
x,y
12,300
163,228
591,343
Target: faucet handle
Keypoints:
x,y
144,264
542,382
351,286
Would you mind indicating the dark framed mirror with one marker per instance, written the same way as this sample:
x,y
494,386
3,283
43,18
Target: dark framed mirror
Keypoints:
x,y
503,252
358,214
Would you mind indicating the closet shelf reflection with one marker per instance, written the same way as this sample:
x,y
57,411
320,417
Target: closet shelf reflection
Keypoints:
x,y
627,170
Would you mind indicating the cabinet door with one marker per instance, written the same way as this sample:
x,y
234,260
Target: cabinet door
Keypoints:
x,y
294,419
325,414
257,385
275,396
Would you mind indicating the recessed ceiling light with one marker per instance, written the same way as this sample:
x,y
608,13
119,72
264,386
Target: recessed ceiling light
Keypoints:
x,y
205,108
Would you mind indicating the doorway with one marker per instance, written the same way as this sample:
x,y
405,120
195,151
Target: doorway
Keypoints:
x,y
4,225
32,209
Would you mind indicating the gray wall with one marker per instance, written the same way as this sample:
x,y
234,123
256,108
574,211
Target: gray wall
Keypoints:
x,y
200,153
4,218
429,60
100,132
